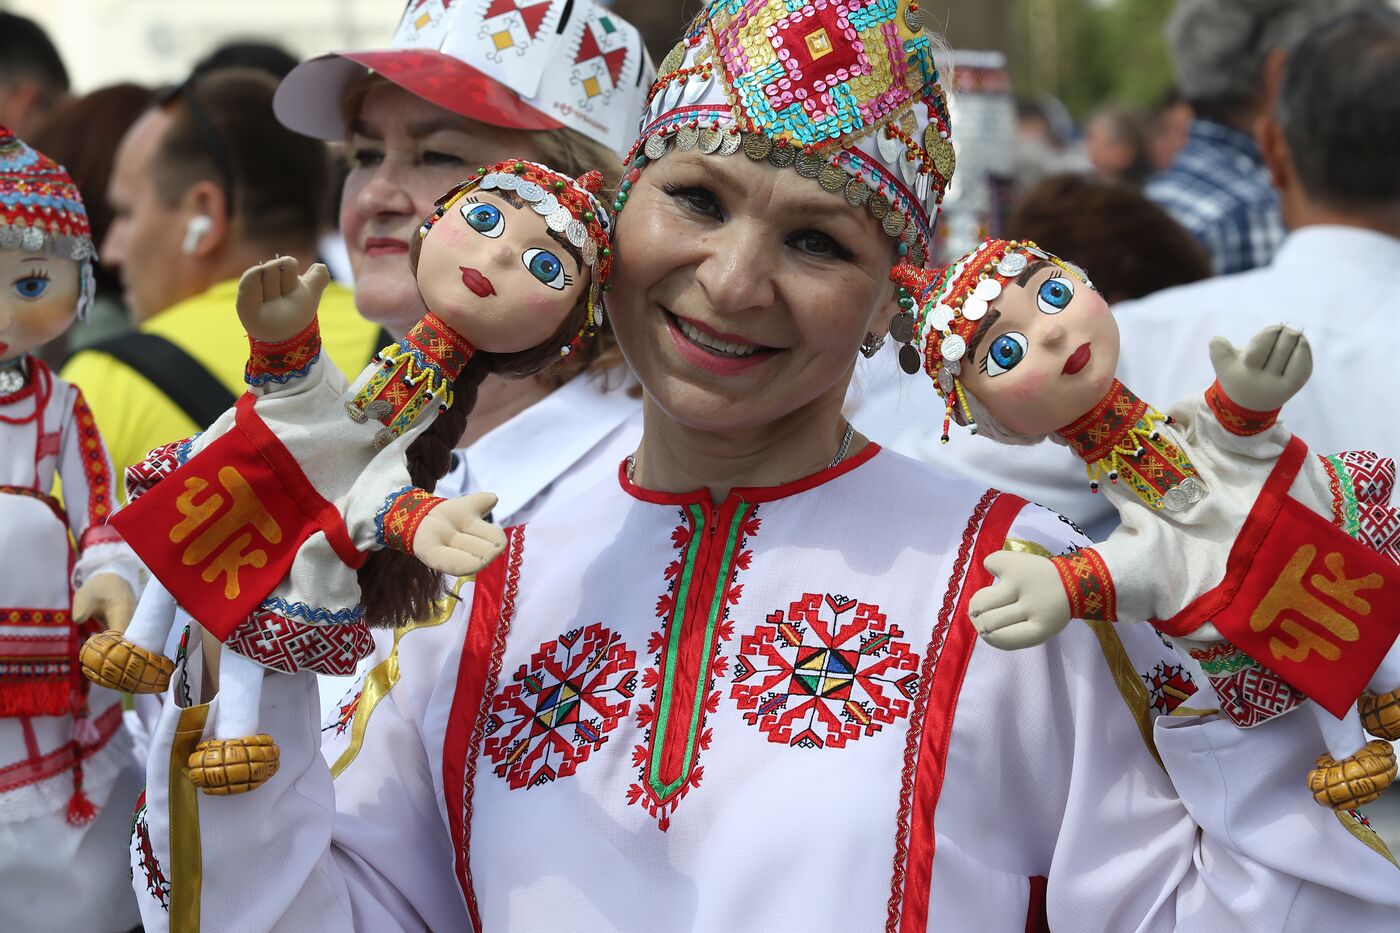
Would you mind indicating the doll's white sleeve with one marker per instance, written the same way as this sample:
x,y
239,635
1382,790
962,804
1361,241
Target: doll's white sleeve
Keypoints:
x,y
1213,419
384,508
287,367
1222,834
366,850
89,494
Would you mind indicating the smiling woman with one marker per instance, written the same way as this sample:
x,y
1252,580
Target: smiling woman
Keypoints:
x,y
735,685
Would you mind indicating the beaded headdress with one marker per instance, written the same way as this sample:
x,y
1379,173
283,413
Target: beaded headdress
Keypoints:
x,y
844,91
42,211
937,322
569,207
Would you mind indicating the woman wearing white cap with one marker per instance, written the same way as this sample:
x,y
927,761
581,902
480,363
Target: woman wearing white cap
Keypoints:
x,y
464,85
735,686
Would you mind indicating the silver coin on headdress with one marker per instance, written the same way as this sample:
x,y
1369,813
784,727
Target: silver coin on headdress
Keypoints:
x,y
576,232
655,146
33,240
730,142
546,205
953,347
590,252
1012,264
530,192
709,139
974,308
987,290
559,220
686,138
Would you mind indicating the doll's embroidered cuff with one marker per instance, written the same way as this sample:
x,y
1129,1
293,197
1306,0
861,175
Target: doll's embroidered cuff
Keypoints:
x,y
284,360
1235,418
1088,584
398,519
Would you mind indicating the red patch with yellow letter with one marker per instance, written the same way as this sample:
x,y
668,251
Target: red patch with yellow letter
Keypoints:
x,y
221,532
1316,607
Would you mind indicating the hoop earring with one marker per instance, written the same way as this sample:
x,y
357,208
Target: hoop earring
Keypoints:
x,y
871,345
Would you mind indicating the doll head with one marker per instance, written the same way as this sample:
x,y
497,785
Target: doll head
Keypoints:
x,y
1013,331
517,258
46,250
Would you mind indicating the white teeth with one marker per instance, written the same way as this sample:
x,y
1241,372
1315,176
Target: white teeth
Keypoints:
x,y
720,346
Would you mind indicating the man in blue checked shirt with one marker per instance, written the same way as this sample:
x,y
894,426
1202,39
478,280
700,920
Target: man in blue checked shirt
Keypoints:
x,y
1218,187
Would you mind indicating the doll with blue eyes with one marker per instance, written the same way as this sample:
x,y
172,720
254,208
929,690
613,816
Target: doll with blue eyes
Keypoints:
x,y
1276,570
67,771
305,514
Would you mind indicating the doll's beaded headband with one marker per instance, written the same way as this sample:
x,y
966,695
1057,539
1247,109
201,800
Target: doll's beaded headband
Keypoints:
x,y
937,323
843,91
42,211
569,207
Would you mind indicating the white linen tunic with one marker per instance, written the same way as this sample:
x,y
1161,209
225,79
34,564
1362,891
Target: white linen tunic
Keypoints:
x,y
657,713
55,876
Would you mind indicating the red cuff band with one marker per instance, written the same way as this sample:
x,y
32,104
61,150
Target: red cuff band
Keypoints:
x,y
1089,586
404,516
1236,419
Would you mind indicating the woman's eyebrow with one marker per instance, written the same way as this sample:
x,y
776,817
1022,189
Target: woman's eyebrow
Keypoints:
x,y
986,324
1031,270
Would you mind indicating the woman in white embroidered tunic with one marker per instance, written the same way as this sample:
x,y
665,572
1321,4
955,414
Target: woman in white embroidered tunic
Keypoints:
x,y
735,687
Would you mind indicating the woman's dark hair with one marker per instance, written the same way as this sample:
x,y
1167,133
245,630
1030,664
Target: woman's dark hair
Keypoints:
x,y
1129,246
396,588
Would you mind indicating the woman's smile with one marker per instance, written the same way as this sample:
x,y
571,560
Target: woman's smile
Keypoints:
x,y
714,351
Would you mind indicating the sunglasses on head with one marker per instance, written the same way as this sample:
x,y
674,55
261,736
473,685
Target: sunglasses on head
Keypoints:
x,y
207,134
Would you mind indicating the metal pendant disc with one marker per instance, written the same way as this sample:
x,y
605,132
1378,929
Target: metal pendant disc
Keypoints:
x,y
913,18
655,147
729,142
879,206
902,327
832,177
686,138
782,156
909,360
673,58
894,223
856,193
809,165
709,140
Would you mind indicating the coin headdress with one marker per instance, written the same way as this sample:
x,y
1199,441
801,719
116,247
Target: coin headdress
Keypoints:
x,y
846,93
42,211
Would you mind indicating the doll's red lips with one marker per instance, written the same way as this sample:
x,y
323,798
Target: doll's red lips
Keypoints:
x,y
477,282
1077,360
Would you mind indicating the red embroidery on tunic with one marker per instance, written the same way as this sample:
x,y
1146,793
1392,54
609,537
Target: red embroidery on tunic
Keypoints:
x,y
1088,584
95,467
157,885
1168,686
560,707
63,758
931,719
815,682
1249,694
157,465
701,588
1236,418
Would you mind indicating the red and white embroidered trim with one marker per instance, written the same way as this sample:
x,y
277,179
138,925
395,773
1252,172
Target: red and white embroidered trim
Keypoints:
x,y
63,758
95,465
1088,584
276,642
1236,418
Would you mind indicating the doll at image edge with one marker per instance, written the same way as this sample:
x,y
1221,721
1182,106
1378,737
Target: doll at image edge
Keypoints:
x,y
1344,737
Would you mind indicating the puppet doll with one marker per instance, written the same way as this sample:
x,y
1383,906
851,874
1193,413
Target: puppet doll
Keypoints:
x,y
1234,542
306,513
62,746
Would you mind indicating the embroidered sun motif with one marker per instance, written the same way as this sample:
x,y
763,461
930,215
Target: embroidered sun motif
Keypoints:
x,y
824,673
559,708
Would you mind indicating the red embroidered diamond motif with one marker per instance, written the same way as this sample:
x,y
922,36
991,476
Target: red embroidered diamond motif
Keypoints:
x,y
818,48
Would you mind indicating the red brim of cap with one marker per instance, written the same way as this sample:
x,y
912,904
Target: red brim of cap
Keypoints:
x,y
308,100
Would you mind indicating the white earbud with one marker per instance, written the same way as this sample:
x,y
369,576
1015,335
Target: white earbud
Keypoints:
x,y
195,230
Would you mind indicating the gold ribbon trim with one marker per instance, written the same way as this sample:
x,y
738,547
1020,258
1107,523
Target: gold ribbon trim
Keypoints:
x,y
186,858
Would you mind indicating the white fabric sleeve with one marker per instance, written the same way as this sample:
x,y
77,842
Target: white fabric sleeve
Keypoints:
x,y
1227,837
1200,428
369,851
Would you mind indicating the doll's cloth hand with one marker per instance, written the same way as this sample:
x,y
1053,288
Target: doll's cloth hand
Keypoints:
x,y
455,539
1270,371
1027,606
107,597
274,303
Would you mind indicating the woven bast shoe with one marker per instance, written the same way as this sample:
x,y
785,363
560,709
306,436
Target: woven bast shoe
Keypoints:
x,y
233,766
110,661
1355,781
1380,714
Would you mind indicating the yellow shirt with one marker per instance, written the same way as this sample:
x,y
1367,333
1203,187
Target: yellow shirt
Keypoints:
x,y
135,417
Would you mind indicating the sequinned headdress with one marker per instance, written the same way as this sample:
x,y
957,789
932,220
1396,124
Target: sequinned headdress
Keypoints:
x,y
844,91
938,320
42,211
569,206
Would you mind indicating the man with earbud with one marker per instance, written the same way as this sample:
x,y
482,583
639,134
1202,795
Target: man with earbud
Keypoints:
x,y
205,184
